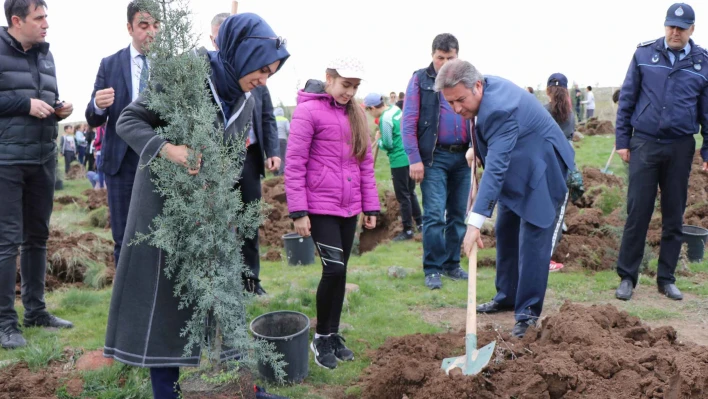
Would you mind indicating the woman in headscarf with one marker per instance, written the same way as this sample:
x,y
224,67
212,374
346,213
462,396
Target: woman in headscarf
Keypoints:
x,y
145,322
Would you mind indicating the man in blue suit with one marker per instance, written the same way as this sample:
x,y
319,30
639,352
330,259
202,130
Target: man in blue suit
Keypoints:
x,y
526,159
262,153
121,78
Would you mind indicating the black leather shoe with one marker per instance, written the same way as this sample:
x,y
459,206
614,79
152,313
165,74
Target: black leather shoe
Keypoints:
x,y
11,337
625,290
671,291
47,320
492,307
520,328
259,290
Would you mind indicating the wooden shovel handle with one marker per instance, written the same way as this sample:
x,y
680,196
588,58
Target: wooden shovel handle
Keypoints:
x,y
471,327
234,7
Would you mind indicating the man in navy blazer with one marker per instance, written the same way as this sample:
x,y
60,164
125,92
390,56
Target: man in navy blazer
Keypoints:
x,y
262,153
121,77
526,159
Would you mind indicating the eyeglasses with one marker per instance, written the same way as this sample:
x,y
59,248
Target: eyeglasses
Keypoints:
x,y
279,41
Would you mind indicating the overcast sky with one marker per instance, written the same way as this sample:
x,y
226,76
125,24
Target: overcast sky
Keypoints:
x,y
524,41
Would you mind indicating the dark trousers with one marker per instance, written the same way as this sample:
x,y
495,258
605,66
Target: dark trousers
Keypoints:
x,y
81,153
120,188
90,162
523,256
653,165
283,148
250,187
25,209
165,383
404,188
445,189
333,237
69,157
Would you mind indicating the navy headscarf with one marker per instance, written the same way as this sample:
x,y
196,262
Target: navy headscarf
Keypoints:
x,y
240,54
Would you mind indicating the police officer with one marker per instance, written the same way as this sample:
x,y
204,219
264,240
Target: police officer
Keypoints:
x,y
663,101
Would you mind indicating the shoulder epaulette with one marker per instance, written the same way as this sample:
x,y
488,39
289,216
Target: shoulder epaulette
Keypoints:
x,y
644,44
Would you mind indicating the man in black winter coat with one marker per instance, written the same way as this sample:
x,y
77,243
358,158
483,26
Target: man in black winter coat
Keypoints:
x,y
29,111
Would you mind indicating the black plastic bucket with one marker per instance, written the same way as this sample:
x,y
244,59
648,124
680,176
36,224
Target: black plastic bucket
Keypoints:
x,y
289,332
299,250
58,185
696,238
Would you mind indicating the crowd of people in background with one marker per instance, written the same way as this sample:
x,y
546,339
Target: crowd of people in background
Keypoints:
x,y
82,143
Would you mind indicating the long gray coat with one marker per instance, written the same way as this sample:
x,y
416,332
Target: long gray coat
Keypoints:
x,y
144,322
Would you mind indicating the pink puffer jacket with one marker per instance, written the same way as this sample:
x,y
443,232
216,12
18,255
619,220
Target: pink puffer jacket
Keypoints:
x,y
321,175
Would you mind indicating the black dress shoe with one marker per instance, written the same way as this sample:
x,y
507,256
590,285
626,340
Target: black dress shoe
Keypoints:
x,y
671,291
493,307
520,328
259,290
11,337
47,320
625,290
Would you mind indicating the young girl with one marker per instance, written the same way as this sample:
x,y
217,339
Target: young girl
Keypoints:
x,y
560,108
329,180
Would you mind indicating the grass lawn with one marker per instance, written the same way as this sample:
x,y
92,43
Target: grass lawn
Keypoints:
x,y
382,307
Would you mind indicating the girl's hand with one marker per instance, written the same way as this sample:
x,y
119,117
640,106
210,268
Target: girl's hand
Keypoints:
x,y
370,222
302,226
179,154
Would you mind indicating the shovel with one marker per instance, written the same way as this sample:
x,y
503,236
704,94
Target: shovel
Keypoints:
x,y
607,165
474,360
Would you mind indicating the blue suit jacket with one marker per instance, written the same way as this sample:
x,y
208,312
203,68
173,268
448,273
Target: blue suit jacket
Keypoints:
x,y
265,126
525,153
114,72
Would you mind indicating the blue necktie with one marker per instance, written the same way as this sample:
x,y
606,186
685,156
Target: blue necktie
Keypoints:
x,y
143,75
677,55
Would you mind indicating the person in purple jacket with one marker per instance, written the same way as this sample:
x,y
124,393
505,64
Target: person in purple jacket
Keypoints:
x,y
330,181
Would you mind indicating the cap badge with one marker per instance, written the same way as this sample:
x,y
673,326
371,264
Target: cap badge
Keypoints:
x,y
655,58
679,12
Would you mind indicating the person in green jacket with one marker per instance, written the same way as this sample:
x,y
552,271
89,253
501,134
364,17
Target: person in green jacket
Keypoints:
x,y
391,141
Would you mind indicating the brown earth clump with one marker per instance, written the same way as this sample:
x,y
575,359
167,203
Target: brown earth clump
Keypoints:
x,y
697,183
388,224
594,352
68,257
76,172
19,382
70,199
96,198
273,255
596,127
278,223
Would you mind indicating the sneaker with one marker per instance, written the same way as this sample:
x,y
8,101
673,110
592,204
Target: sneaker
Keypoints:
x,y
340,350
47,320
323,348
419,227
555,266
433,281
403,236
457,274
11,337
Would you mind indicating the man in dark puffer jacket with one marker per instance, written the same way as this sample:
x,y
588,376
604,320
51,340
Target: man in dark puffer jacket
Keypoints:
x,y
29,112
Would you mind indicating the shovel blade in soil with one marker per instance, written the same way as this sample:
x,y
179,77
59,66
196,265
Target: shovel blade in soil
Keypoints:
x,y
474,360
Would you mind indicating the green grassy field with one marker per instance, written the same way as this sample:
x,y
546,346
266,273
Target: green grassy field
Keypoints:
x,y
383,307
